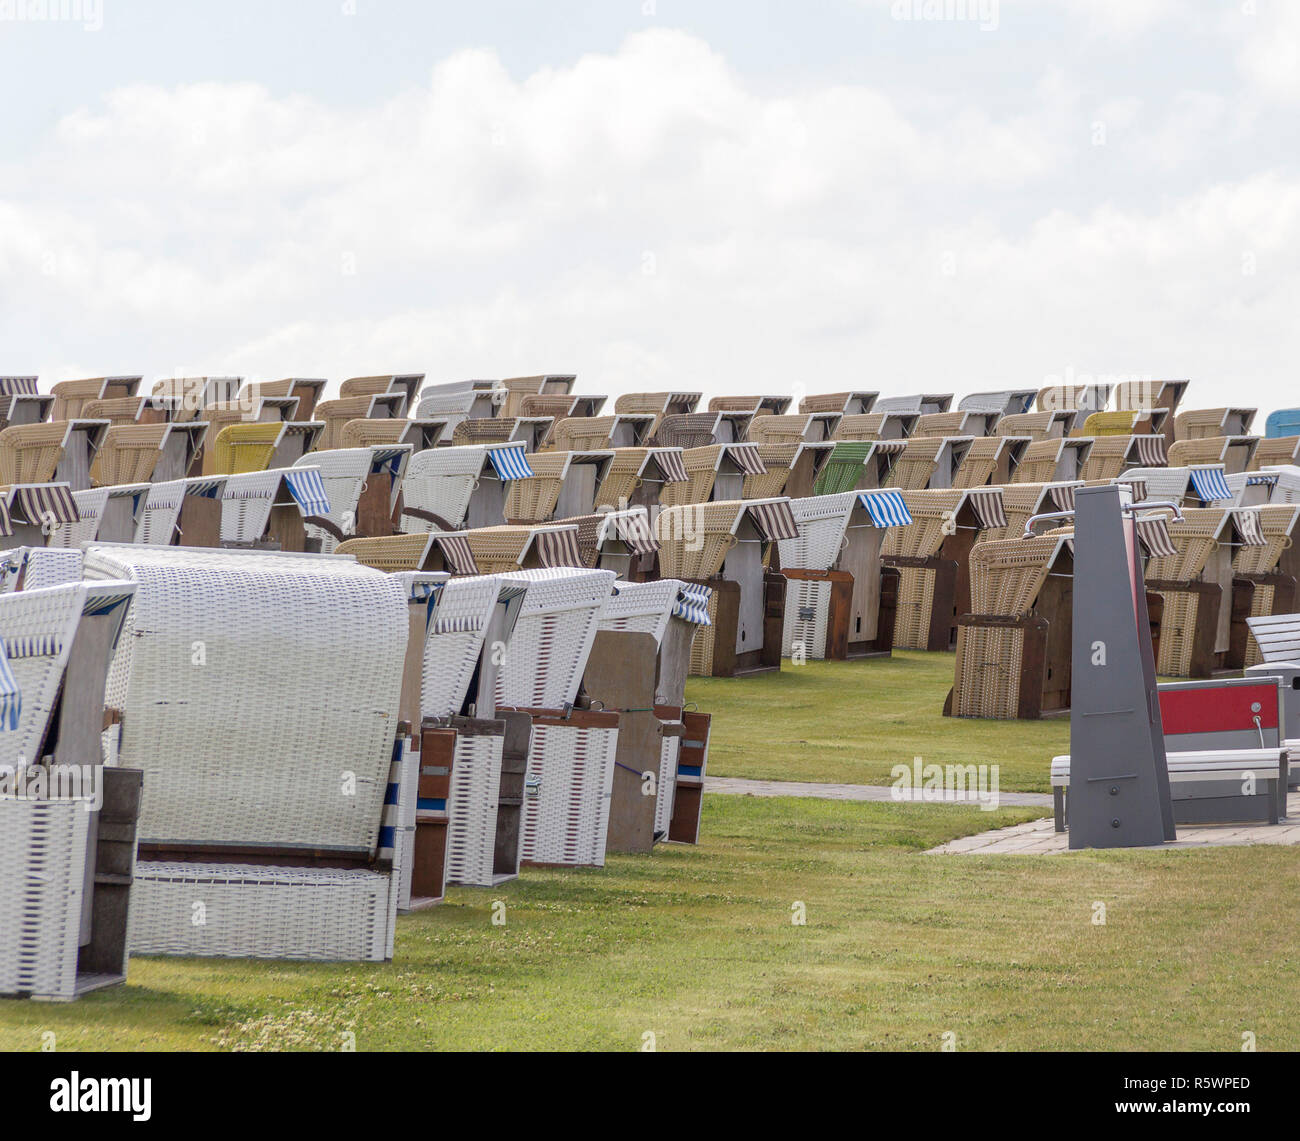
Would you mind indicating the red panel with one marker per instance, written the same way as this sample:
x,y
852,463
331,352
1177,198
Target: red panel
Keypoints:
x,y
1218,709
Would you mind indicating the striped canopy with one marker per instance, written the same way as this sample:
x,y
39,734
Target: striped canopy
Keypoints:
x,y
511,462
692,603
11,700
886,508
1208,484
308,490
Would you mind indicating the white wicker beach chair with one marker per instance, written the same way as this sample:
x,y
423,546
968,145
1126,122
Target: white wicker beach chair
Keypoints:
x,y
259,692
344,473
462,486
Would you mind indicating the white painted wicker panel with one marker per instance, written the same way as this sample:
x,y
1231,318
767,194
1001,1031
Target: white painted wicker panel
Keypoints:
x,y
161,513
472,807
37,627
1162,482
343,473
90,507
51,567
246,505
669,751
451,656
552,638
641,607
822,521
441,480
43,853
567,820
251,686
246,911
802,595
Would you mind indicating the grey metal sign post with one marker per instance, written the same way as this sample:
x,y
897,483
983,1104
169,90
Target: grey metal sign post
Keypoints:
x,y
1119,782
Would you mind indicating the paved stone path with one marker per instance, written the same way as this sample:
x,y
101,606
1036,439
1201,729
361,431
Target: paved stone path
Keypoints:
x,y
737,786
1039,837
1036,838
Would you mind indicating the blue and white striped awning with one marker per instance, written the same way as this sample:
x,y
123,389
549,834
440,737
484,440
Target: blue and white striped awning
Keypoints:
x,y
207,488
1265,478
1208,484
693,603
511,462
32,645
11,699
389,459
886,508
308,490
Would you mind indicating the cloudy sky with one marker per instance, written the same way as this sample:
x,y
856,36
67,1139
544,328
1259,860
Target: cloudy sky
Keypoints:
x,y
723,195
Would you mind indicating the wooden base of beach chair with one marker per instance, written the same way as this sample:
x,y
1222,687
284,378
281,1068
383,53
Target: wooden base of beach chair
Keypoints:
x,y
817,613
1189,617
510,801
620,675
429,867
927,604
102,961
1255,596
688,798
882,645
199,523
1010,668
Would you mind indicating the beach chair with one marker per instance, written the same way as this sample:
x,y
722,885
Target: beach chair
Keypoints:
x,y
963,422
511,548
877,425
406,386
308,392
450,489
932,557
1263,574
335,414
726,545
1083,398
929,461
1010,402
1053,460
839,600
857,465
272,509
636,477
989,459
715,471
459,401
621,541
437,551
1275,451
143,453
185,398
419,435
264,833
1037,425
1200,423
243,448
109,514
658,405
751,405
59,451
516,388
845,403
562,483
700,429
596,433
919,403
67,823
361,487
1126,422
1235,453
532,432
800,428
71,396
32,514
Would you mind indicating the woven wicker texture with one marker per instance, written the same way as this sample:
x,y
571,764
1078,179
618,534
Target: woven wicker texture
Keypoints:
x,y
862,426
623,477
583,433
1038,462
336,414
1123,423
229,754
1195,538
484,431
117,409
788,429
641,607
1275,451
913,609
442,480
258,912
1203,450
455,640
701,469
1276,523
372,433
572,771
30,453
389,553
1035,425
552,638
913,469
499,549
1007,574
43,845
778,459
822,521
533,500
980,463
242,448
1261,606
1198,423
687,430
807,614
472,810
129,454
71,397
1107,456
987,671
932,511
694,539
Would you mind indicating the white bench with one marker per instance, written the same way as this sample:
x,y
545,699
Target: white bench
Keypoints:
x,y
1208,786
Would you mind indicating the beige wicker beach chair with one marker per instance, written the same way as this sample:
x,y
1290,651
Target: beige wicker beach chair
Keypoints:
x,y
71,396
335,414
407,386
845,403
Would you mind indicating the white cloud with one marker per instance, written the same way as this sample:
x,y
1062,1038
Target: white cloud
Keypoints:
x,y
647,219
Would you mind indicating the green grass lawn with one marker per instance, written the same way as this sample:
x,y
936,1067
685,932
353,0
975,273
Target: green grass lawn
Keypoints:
x,y
851,722
696,946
